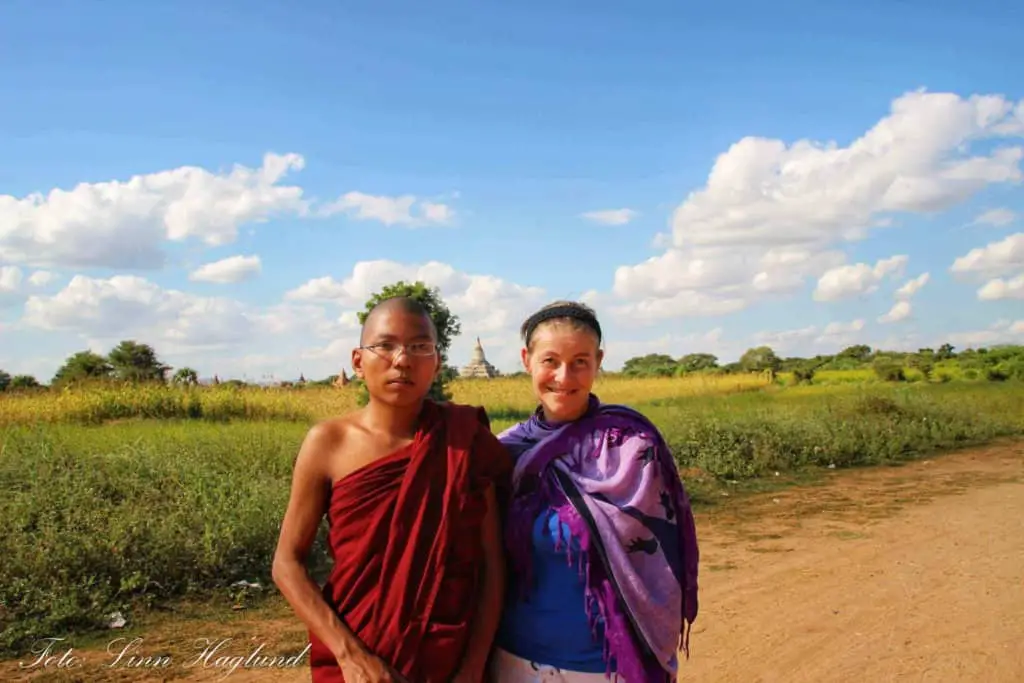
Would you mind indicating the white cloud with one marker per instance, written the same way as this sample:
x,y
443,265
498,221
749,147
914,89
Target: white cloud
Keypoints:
x,y
304,320
996,218
912,287
997,289
611,216
13,284
834,336
486,305
841,333
901,310
786,339
126,306
763,194
390,210
212,334
41,278
713,281
10,286
853,280
1001,332
228,270
10,279
993,260
812,192
440,214
122,224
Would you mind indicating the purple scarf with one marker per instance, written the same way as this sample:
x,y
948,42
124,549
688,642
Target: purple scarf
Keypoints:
x,y
609,476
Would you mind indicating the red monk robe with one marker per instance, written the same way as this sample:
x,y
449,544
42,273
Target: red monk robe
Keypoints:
x,y
405,537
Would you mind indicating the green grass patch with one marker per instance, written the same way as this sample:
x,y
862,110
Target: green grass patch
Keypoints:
x,y
117,517
751,435
133,514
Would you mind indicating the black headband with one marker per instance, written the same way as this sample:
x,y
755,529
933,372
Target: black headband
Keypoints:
x,y
560,312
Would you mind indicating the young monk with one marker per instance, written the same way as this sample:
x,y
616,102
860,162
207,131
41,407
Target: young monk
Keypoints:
x,y
410,489
600,533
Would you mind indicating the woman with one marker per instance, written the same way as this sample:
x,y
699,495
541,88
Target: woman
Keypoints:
x,y
599,532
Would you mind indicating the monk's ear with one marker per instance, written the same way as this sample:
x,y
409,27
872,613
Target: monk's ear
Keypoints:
x,y
357,362
525,355
600,358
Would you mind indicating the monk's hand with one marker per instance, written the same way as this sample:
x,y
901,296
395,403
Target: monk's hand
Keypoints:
x,y
364,667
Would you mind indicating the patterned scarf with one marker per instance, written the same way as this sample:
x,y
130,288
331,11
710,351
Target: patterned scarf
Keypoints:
x,y
610,478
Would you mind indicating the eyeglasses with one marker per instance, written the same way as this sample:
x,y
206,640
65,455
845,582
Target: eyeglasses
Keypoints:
x,y
390,350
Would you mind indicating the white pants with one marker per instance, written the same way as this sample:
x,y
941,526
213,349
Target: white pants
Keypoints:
x,y
507,668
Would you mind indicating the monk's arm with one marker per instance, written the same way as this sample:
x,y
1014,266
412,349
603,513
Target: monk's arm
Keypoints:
x,y
306,507
492,593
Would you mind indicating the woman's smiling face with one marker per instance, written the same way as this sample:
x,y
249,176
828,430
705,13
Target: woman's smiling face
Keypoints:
x,y
563,361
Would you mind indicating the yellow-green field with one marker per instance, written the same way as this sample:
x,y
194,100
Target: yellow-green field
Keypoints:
x,y
503,395
120,498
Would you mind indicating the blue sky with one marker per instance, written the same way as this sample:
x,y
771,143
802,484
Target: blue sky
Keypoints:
x,y
504,126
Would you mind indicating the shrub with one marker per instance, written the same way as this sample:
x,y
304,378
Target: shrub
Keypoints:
x,y
889,371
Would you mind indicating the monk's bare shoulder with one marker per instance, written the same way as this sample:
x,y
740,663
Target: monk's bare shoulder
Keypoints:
x,y
328,444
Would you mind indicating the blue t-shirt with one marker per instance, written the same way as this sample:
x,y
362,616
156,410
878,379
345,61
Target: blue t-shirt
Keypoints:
x,y
552,627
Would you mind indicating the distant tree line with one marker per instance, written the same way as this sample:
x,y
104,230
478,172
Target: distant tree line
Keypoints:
x,y
128,362
137,363
997,363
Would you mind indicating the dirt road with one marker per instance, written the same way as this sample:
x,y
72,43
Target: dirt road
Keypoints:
x,y
896,574
913,574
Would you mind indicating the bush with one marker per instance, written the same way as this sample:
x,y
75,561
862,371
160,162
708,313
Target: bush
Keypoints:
x,y
803,375
889,371
997,374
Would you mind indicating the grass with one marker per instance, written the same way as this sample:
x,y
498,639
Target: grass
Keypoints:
x,y
100,518
108,509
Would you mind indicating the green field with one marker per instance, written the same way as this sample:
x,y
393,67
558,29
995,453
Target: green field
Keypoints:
x,y
120,512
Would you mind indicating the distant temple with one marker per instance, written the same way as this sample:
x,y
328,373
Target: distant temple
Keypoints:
x,y
478,365
342,379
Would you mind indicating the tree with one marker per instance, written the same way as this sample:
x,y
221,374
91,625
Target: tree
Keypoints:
x,y
945,352
5,380
656,364
135,362
83,366
24,382
921,363
449,373
447,324
888,370
858,352
695,362
186,376
760,359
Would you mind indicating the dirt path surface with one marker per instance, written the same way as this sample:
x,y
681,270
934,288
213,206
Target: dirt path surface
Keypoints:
x,y
913,573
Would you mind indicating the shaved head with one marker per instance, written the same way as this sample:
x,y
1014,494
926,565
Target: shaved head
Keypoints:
x,y
401,304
